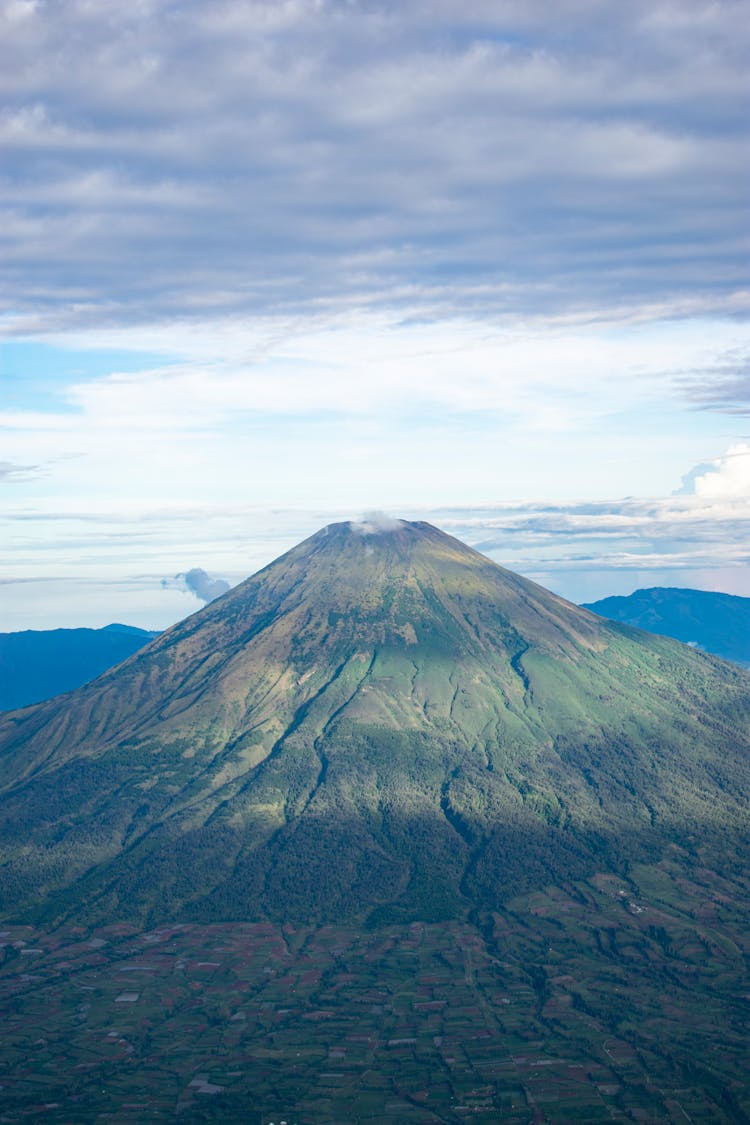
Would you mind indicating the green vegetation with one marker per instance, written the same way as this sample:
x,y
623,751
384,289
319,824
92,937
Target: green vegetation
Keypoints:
x,y
375,728
605,999
384,834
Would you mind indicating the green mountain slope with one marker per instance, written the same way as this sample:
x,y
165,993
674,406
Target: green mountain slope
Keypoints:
x,y
718,623
382,724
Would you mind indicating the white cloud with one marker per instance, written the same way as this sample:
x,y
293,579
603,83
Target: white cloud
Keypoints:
x,y
726,476
374,522
556,374
293,412
205,587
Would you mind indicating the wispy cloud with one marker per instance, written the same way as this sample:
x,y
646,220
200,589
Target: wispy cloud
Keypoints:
x,y
196,581
451,412
724,386
11,472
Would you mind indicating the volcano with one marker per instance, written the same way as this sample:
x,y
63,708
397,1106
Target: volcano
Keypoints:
x,y
381,725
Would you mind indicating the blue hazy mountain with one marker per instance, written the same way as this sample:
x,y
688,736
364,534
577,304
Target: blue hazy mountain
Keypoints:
x,y
39,664
717,623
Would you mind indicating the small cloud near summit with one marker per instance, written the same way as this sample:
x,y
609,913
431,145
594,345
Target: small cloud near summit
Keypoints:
x,y
374,522
198,583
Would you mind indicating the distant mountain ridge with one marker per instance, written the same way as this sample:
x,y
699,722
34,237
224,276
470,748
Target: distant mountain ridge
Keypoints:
x,y
39,664
713,622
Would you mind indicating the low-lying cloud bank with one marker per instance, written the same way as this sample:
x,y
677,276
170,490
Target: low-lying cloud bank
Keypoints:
x,y
583,550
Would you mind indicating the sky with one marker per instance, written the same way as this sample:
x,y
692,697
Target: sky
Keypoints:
x,y
268,264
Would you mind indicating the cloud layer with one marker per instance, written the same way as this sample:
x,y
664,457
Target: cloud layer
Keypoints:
x,y
103,564
255,156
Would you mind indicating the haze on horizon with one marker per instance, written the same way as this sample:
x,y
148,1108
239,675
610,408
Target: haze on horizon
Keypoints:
x,y
267,265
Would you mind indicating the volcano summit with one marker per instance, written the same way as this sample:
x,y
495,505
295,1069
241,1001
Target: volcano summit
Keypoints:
x,y
382,725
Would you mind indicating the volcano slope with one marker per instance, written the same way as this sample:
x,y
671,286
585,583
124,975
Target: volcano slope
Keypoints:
x,y
385,834
381,726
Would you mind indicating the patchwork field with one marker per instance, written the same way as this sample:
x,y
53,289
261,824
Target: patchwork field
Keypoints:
x,y
603,1000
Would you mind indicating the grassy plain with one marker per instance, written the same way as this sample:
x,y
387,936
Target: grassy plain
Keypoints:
x,y
606,999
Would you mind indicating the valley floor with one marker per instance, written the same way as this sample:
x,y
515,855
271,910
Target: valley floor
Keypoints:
x,y
605,1000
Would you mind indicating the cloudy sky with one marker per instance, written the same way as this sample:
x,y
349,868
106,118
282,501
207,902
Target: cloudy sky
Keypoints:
x,y
271,263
